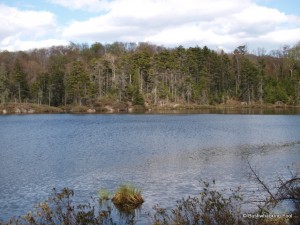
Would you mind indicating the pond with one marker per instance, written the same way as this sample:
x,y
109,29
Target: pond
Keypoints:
x,y
166,156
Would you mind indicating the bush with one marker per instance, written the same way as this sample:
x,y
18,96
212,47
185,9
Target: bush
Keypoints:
x,y
59,209
209,208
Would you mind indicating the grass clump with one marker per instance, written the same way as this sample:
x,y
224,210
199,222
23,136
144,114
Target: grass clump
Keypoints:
x,y
127,198
104,194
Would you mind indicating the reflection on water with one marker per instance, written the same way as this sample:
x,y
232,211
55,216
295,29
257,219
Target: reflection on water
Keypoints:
x,y
232,110
164,155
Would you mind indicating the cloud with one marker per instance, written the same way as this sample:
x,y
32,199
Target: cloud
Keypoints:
x,y
16,21
149,17
17,26
15,43
190,22
227,23
283,36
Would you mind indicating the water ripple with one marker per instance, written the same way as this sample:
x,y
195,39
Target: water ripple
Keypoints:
x,y
167,156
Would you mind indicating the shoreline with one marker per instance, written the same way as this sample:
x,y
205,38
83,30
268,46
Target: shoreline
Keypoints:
x,y
30,108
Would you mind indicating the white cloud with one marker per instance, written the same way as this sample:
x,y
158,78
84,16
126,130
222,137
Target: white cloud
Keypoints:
x,y
283,36
17,26
226,23
15,43
148,17
190,22
258,19
16,21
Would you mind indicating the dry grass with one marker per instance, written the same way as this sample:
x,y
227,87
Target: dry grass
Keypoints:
x,y
127,198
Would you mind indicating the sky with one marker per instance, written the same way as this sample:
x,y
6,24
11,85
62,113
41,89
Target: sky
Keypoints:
x,y
225,24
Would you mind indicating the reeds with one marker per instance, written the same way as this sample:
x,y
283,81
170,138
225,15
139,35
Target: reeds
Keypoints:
x,y
104,194
127,198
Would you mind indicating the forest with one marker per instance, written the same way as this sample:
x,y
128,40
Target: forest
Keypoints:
x,y
147,74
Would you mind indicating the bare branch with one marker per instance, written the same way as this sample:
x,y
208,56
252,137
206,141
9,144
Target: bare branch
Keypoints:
x,y
266,188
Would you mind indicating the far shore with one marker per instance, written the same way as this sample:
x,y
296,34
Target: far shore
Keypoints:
x,y
170,108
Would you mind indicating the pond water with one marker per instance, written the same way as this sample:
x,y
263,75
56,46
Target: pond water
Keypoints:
x,y
164,155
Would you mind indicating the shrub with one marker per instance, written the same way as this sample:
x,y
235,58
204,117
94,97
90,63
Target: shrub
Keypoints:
x,y
59,209
210,208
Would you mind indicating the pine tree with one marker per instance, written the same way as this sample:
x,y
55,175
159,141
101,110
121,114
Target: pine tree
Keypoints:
x,y
77,83
4,85
19,83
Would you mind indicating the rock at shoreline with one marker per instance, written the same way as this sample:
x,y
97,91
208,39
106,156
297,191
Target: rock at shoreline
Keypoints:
x,y
91,111
31,111
23,110
109,109
4,111
17,110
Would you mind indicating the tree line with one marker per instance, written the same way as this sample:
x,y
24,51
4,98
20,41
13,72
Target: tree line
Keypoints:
x,y
141,73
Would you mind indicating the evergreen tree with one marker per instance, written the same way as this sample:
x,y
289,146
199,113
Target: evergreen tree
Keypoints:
x,y
4,84
77,83
56,87
148,73
19,85
249,81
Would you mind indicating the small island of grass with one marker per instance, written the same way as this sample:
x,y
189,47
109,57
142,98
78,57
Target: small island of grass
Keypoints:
x,y
127,198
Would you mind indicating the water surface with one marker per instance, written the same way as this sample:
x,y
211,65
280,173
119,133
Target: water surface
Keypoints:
x,y
165,155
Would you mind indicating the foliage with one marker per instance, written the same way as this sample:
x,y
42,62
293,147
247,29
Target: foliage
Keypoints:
x,y
144,73
77,82
19,85
211,207
4,85
137,98
60,209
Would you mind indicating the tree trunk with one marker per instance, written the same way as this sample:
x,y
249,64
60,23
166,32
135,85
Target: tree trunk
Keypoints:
x,y
19,93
